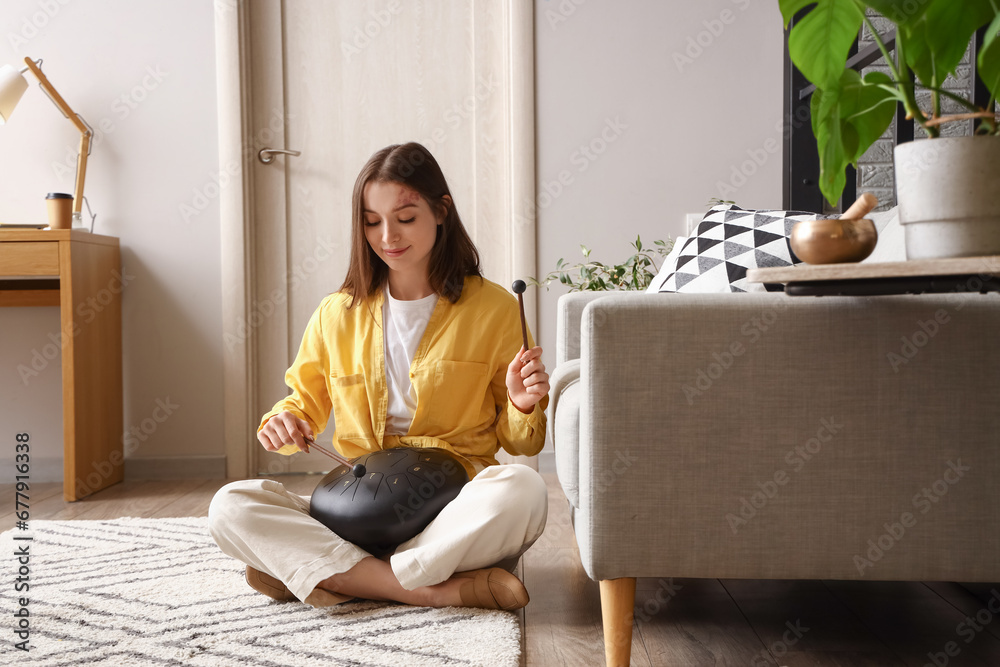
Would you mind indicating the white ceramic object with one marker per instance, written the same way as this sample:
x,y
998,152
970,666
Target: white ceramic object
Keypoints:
x,y
948,191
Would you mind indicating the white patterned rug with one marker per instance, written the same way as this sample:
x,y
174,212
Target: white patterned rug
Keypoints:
x,y
159,592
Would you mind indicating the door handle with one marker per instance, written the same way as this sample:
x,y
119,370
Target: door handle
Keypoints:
x,y
266,155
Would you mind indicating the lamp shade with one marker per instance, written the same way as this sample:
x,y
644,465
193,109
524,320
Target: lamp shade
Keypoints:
x,y
12,86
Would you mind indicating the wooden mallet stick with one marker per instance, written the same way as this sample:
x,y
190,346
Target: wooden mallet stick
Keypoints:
x,y
519,288
861,207
357,469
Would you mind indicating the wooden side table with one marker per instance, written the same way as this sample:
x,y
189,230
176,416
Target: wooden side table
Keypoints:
x,y
81,273
960,274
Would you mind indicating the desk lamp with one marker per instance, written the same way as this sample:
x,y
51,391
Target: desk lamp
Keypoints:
x,y
12,86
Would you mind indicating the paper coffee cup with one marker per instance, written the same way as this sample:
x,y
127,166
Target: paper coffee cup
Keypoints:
x,y
60,207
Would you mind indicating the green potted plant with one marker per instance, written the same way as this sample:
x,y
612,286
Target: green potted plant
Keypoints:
x,y
948,189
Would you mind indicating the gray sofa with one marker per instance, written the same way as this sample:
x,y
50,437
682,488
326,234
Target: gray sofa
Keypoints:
x,y
773,437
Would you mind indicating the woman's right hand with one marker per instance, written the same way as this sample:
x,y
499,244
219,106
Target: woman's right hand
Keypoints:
x,y
283,429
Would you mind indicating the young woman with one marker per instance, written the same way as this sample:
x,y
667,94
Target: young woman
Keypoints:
x,y
417,349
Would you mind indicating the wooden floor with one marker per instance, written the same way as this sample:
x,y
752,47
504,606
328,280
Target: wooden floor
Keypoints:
x,y
678,621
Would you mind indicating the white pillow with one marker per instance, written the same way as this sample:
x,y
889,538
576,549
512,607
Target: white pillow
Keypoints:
x,y
669,261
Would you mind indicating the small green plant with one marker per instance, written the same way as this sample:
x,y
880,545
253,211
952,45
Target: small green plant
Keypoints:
x,y
635,273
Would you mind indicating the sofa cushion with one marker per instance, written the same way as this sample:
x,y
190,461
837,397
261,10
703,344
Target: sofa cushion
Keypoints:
x,y
727,242
564,429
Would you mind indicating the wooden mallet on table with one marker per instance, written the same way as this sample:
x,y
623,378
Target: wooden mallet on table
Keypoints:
x,y
519,288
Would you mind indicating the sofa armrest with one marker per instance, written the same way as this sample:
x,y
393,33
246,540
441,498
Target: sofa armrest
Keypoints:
x,y
570,308
562,376
767,436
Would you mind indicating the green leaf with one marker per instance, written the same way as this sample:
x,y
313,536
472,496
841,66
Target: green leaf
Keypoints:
x,y
900,12
789,8
826,128
846,120
819,43
868,109
989,58
935,43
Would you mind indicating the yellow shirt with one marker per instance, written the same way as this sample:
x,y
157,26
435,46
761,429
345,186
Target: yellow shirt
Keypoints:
x,y
458,374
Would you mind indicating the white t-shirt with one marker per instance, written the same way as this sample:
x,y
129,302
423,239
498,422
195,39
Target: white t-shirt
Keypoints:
x,y
403,324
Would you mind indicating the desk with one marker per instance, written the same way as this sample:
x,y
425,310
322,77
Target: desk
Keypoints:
x,y
958,274
79,272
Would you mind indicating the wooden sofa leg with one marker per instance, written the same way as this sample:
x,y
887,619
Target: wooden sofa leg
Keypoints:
x,y
617,600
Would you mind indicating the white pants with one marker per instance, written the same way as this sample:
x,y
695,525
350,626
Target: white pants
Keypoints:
x,y
497,515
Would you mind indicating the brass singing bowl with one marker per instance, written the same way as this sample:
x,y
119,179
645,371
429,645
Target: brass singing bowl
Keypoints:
x,y
833,241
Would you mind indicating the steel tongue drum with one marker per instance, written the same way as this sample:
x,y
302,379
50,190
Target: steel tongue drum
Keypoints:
x,y
382,499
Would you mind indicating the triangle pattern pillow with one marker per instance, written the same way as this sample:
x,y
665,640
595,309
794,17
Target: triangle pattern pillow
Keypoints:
x,y
727,243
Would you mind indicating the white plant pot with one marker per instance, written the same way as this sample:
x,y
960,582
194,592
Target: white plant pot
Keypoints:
x,y
948,191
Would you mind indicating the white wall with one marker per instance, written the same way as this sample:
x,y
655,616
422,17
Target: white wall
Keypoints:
x,y
143,75
675,94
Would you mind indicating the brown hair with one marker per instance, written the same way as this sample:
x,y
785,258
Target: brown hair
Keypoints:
x,y
453,256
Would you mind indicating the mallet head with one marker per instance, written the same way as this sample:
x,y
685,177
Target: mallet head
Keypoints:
x,y
519,287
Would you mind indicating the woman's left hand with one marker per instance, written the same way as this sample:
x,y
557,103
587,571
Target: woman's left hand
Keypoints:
x,y
527,381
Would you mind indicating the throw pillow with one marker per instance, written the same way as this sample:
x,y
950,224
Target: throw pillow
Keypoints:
x,y
669,260
727,242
